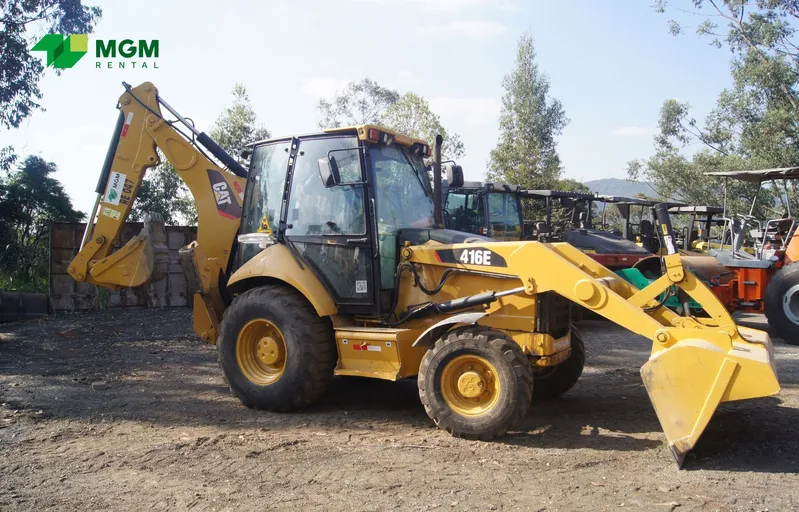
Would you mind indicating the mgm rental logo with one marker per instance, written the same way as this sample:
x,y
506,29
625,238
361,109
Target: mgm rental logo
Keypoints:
x,y
63,52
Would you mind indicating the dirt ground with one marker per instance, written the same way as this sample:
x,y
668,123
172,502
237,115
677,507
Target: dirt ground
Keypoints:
x,y
128,411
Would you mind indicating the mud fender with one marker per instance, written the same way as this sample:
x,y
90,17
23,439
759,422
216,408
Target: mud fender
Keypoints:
x,y
434,332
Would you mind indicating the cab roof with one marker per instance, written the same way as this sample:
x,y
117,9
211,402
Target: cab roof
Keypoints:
x,y
362,131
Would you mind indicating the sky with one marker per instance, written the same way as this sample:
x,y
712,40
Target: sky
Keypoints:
x,y
612,64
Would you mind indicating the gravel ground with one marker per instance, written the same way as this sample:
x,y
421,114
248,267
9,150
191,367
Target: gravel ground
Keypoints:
x,y
128,410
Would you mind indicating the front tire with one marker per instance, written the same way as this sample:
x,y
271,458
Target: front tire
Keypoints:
x,y
781,303
553,382
275,352
475,383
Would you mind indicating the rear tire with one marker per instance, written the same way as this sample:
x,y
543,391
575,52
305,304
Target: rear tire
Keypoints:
x,y
781,303
553,382
475,383
275,352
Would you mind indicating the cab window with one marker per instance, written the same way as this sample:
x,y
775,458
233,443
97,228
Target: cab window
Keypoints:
x,y
266,180
316,210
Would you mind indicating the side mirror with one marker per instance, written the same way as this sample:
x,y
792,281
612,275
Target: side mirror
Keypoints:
x,y
328,171
454,175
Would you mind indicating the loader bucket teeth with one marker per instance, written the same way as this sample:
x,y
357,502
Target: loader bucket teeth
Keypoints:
x,y
688,380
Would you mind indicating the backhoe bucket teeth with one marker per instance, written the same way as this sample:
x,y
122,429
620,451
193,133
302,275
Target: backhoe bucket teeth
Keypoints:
x,y
688,380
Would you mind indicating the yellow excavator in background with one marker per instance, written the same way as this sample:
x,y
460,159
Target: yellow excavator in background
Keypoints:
x,y
328,257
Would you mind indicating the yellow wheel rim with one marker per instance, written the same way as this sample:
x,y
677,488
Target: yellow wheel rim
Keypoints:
x,y
261,352
470,385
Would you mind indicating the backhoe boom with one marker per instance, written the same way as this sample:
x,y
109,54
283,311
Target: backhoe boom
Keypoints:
x,y
218,194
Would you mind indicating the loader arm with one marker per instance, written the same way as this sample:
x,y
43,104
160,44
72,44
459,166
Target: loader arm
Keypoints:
x,y
217,193
695,363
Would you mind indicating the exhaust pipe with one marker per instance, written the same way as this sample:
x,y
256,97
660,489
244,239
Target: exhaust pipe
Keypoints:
x,y
438,213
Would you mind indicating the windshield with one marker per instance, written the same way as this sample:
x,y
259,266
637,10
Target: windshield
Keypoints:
x,y
503,216
402,189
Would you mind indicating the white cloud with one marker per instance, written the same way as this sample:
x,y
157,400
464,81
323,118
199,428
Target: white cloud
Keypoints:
x,y
451,5
634,131
473,29
469,112
322,87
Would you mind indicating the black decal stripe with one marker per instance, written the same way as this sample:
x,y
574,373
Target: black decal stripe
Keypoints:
x,y
231,209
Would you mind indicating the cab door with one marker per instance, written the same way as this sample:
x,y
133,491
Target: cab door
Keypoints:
x,y
329,227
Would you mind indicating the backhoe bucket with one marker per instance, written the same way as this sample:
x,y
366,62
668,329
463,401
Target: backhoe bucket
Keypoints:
x,y
144,259
688,380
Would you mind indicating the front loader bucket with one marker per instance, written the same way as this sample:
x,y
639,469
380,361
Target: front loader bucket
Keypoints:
x,y
688,380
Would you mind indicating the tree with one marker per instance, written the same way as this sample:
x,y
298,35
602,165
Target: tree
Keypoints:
x,y
23,22
237,126
361,102
367,102
411,115
164,192
530,120
754,124
30,199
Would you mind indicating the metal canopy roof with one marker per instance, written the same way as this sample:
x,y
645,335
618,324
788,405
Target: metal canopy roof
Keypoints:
x,y
697,209
781,173
604,198
558,193
487,185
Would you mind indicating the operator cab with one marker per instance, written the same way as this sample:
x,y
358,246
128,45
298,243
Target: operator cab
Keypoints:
x,y
343,201
485,208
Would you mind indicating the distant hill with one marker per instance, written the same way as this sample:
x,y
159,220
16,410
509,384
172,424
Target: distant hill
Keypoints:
x,y
619,187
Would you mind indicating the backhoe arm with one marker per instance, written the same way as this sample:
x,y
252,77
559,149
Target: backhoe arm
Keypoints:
x,y
217,193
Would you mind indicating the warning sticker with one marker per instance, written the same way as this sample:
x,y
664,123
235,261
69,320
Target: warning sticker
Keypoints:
x,y
368,348
360,286
110,212
116,184
128,120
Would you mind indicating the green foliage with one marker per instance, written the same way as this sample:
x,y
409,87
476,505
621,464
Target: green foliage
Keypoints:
x,y
754,124
361,102
526,153
411,115
367,102
237,125
30,199
23,22
163,191
103,297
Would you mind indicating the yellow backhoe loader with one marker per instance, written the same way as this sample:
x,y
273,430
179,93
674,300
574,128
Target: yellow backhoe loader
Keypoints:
x,y
328,257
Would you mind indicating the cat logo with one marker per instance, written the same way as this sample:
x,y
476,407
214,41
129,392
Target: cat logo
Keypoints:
x,y
226,203
222,193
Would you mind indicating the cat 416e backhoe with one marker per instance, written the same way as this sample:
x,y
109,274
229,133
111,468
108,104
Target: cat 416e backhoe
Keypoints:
x,y
328,257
